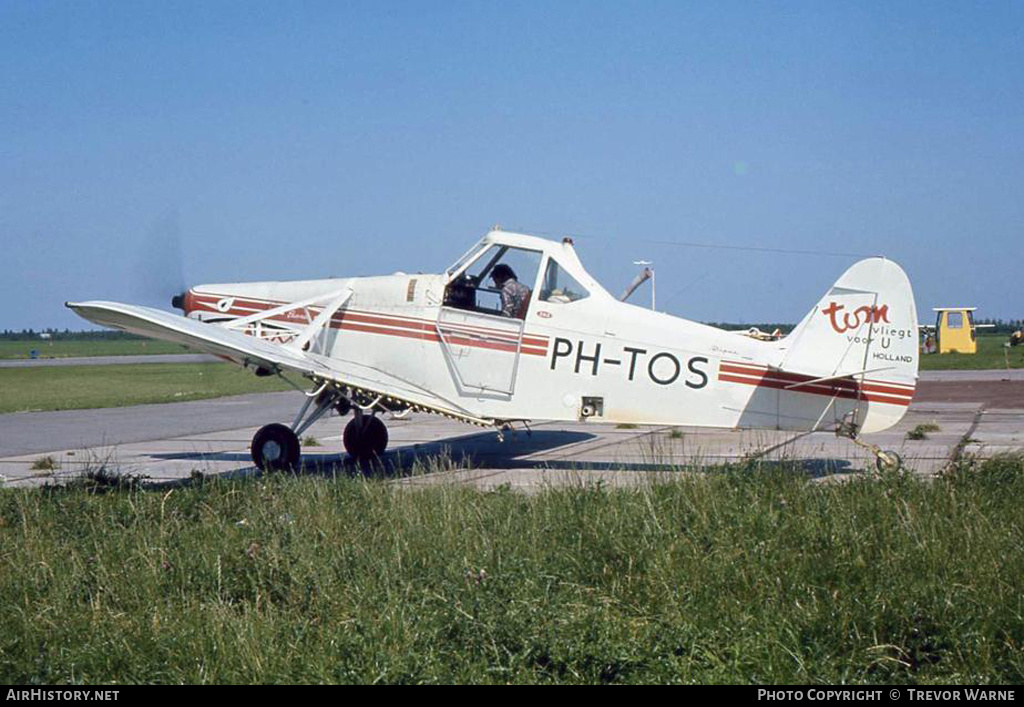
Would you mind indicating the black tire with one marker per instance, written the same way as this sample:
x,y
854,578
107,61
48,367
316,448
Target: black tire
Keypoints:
x,y
365,441
275,448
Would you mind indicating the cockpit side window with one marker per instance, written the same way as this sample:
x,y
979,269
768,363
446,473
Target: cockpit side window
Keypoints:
x,y
559,287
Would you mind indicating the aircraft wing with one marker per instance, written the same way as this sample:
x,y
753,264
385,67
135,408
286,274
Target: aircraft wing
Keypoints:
x,y
248,350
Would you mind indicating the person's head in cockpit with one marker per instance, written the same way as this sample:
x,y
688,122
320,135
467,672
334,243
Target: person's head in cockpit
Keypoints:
x,y
501,274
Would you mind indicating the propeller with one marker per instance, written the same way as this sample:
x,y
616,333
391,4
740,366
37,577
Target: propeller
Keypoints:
x,y
160,268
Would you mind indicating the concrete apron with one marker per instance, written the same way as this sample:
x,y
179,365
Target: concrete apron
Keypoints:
x,y
426,449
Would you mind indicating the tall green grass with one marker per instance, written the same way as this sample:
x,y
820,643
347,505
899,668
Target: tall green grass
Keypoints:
x,y
747,575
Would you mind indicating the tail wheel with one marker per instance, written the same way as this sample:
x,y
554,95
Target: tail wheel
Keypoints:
x,y
888,460
275,448
365,438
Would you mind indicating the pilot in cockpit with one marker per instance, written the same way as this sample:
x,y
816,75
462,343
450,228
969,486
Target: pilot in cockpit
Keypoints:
x,y
515,296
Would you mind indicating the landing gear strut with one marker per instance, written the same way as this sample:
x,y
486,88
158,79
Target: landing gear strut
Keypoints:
x,y
886,460
276,447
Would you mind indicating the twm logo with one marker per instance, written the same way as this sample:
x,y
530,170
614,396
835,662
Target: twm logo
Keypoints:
x,y
856,318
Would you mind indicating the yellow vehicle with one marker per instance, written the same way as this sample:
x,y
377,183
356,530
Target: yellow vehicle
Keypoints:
x,y
955,330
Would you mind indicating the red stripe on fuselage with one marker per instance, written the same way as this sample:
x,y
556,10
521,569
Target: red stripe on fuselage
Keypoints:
x,y
870,384
750,368
533,345
831,393
846,388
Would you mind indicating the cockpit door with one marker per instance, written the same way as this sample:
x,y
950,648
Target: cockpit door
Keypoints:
x,y
482,351
481,346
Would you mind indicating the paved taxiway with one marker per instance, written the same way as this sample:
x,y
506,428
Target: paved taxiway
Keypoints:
x,y
106,360
171,441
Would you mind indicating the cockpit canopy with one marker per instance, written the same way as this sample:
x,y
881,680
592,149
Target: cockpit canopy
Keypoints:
x,y
550,272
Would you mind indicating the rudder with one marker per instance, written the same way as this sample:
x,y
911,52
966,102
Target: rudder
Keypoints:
x,y
864,327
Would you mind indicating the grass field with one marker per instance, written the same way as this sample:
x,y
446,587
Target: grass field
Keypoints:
x,y
991,354
748,575
76,387
69,348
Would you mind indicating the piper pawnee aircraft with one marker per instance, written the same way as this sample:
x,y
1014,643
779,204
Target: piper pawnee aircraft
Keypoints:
x,y
572,352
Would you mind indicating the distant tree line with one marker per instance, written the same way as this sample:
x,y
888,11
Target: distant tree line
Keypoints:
x,y
66,335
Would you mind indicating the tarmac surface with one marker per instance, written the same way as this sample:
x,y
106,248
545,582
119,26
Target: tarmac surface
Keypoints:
x,y
977,413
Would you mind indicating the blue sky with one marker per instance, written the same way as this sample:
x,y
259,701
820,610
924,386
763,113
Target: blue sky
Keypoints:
x,y
285,140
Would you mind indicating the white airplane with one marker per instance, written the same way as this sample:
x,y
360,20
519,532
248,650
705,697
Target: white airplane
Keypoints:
x,y
571,352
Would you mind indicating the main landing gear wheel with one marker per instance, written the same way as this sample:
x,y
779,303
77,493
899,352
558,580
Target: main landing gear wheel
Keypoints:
x,y
888,460
275,448
365,437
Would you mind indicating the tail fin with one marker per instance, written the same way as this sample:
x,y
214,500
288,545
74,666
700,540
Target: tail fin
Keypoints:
x,y
865,327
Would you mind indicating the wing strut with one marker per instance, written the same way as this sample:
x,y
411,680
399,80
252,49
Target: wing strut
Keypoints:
x,y
321,320
243,322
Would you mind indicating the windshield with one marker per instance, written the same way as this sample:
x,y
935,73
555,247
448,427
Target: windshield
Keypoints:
x,y
466,257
